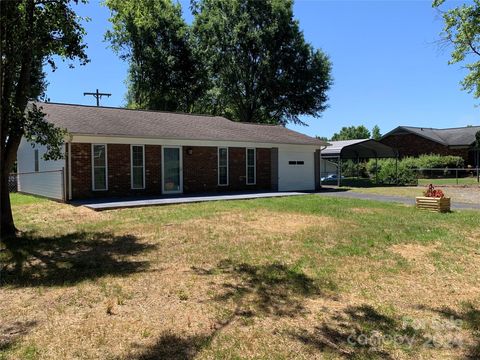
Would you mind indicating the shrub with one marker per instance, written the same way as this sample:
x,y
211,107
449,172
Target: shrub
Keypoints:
x,y
408,167
350,168
390,173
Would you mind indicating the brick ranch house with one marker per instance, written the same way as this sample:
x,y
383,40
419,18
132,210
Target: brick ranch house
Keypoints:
x,y
115,152
415,141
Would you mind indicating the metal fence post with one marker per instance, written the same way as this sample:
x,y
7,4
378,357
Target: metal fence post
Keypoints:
x,y
64,197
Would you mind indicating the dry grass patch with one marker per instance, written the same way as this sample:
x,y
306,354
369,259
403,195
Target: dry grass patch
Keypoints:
x,y
414,252
271,278
262,222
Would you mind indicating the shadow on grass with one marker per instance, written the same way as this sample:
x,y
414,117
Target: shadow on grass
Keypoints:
x,y
272,289
256,290
11,332
469,317
173,347
361,332
68,259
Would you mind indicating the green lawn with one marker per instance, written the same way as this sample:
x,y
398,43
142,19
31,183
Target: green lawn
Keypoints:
x,y
461,181
300,277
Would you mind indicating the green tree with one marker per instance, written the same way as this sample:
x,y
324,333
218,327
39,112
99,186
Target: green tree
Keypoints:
x,y
151,35
462,30
376,134
260,68
32,32
352,133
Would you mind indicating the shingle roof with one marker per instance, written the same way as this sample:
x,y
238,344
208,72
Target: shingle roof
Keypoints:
x,y
461,136
92,120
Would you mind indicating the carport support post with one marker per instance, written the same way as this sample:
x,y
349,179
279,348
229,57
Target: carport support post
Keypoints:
x,y
478,164
358,167
376,170
396,170
339,177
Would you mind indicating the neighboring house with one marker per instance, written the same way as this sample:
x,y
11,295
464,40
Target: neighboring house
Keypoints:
x,y
415,141
120,152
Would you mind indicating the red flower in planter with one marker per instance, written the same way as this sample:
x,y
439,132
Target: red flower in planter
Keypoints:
x,y
432,192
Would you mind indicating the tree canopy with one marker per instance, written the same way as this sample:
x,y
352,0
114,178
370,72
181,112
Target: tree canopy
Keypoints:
x,y
376,134
244,59
32,32
462,31
164,73
351,133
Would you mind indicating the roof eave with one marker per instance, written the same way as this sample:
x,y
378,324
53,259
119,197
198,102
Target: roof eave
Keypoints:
x,y
319,143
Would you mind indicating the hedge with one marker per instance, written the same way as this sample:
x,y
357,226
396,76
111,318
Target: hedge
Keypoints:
x,y
405,172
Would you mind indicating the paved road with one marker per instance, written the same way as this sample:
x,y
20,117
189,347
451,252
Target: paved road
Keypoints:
x,y
398,199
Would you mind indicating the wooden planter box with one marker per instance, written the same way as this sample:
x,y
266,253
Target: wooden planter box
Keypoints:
x,y
433,204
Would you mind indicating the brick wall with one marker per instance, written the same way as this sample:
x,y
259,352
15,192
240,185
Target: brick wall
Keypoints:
x,y
414,145
199,169
118,157
200,172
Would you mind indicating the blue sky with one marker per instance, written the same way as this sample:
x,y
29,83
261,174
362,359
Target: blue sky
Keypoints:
x,y
387,66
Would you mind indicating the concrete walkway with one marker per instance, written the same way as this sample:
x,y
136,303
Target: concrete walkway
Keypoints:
x,y
396,199
109,204
112,203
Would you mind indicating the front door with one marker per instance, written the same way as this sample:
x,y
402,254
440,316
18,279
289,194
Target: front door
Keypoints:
x,y
172,170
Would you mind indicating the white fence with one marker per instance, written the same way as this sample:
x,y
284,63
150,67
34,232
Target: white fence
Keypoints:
x,y
50,184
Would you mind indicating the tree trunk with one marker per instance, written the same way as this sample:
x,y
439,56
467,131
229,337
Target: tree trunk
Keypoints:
x,y
7,226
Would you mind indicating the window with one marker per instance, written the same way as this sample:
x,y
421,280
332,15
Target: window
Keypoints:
x,y
138,166
99,167
37,160
296,162
223,166
251,172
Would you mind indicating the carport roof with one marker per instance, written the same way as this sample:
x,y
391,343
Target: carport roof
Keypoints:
x,y
361,148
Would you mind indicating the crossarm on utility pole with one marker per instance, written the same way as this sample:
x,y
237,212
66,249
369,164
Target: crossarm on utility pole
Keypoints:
x,y
97,95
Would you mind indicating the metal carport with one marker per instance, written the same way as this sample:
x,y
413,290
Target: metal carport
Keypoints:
x,y
357,149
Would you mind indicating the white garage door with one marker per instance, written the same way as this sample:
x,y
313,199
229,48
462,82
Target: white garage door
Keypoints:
x,y
296,170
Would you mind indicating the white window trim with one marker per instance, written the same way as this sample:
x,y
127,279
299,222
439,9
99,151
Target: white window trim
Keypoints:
x,y
131,167
254,166
106,168
218,166
180,152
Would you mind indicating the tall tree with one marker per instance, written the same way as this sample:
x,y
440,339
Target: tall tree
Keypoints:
x,y
31,33
352,133
151,35
462,30
260,67
376,134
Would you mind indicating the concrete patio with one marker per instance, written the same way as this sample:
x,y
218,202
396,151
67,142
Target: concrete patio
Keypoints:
x,y
117,203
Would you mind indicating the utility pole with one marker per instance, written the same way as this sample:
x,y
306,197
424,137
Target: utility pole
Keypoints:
x,y
97,95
